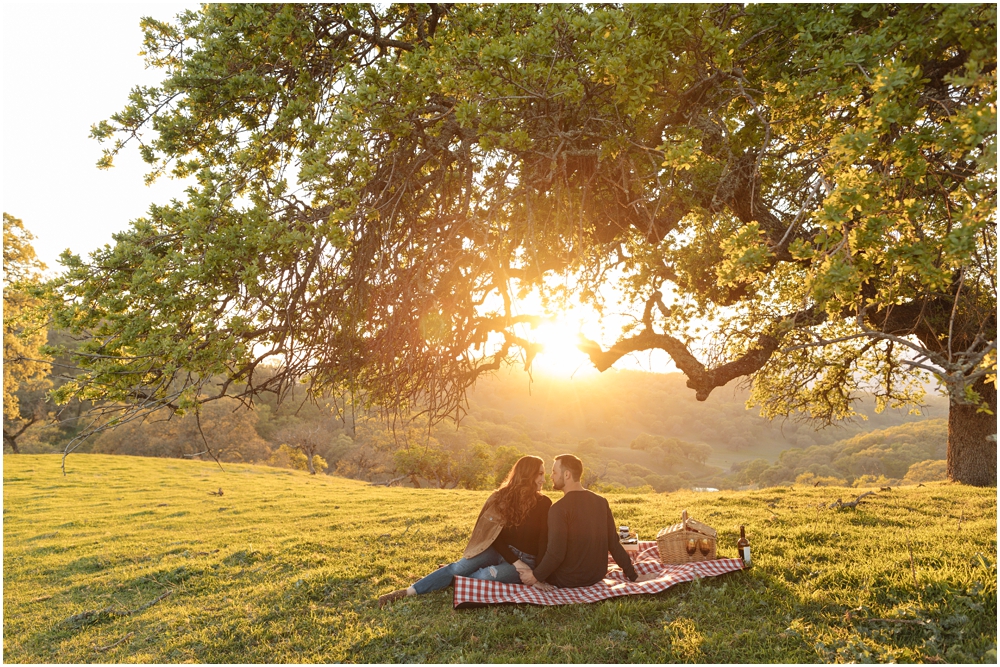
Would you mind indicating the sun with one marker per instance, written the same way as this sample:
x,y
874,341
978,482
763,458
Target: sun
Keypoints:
x,y
559,355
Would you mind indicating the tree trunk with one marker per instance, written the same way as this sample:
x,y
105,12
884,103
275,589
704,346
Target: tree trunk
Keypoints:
x,y
972,454
8,440
11,438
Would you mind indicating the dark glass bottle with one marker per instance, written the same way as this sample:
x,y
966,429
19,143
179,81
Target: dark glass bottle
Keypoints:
x,y
743,547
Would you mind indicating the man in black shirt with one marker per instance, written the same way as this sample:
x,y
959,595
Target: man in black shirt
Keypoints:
x,y
581,533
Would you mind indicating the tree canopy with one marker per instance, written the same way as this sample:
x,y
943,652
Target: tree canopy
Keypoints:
x,y
802,196
25,366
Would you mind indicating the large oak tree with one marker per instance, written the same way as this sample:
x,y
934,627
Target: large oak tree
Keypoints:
x,y
801,196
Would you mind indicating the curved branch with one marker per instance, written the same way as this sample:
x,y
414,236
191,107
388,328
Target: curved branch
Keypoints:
x,y
702,380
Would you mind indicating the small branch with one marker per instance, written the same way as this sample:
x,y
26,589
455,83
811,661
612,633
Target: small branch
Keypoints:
x,y
394,480
840,504
197,420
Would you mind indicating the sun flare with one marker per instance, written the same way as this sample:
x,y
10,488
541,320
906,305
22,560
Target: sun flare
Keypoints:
x,y
560,354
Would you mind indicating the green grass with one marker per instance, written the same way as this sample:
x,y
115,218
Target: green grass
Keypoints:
x,y
285,567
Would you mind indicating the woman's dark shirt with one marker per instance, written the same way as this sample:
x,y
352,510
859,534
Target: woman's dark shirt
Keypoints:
x,y
531,536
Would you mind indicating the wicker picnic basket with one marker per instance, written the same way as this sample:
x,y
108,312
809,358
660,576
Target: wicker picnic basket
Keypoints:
x,y
686,542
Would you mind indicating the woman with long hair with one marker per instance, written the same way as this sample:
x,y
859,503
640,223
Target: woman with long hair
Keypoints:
x,y
509,536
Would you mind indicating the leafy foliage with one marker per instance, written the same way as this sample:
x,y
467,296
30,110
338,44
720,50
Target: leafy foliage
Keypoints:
x,y
378,187
909,451
228,430
25,365
926,471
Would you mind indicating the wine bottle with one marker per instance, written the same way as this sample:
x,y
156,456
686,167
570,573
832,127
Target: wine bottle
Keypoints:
x,y
743,547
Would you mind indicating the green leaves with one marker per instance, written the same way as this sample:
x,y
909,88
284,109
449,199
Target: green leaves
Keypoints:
x,y
378,186
25,363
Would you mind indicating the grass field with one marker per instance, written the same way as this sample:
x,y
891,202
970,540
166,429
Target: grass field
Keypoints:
x,y
284,567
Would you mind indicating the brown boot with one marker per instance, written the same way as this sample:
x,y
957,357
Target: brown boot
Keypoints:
x,y
391,597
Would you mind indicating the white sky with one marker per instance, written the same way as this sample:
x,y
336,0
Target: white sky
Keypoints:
x,y
66,67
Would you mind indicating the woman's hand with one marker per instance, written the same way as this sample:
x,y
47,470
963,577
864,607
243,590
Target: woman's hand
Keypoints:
x,y
527,576
542,586
523,571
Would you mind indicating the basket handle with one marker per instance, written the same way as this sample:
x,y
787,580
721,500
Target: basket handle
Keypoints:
x,y
684,519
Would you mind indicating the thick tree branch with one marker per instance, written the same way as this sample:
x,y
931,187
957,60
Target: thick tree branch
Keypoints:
x,y
702,380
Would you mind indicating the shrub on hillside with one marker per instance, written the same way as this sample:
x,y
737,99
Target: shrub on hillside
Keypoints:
x,y
472,469
871,480
811,479
286,456
364,462
665,483
863,460
607,487
926,471
749,472
319,439
229,429
470,466
736,443
42,439
504,458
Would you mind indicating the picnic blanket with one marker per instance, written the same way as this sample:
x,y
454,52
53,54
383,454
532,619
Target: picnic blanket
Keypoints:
x,y
470,593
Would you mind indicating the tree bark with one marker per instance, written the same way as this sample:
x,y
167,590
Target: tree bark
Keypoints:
x,y
11,438
972,455
8,440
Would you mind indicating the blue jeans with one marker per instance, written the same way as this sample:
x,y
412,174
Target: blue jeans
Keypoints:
x,y
487,565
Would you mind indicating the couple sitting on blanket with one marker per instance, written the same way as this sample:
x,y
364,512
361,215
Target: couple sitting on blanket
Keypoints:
x,y
521,537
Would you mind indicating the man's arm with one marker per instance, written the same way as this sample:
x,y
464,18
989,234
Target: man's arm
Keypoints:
x,y
555,547
618,551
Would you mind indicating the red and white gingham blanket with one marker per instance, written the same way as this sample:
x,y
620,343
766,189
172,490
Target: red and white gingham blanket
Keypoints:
x,y
471,593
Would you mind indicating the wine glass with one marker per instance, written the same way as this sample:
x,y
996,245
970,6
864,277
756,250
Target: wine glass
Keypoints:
x,y
692,546
705,546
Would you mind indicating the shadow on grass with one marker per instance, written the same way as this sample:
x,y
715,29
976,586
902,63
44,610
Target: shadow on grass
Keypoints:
x,y
666,627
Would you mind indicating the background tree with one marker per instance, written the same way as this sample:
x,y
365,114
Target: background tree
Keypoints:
x,y
800,196
228,428
312,439
25,367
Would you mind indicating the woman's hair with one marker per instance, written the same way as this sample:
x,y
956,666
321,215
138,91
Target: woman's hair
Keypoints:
x,y
516,495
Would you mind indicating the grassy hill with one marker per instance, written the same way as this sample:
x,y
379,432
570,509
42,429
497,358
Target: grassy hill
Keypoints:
x,y
284,567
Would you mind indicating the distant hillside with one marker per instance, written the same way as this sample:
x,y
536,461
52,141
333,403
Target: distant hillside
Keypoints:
x,y
632,429
615,407
886,455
